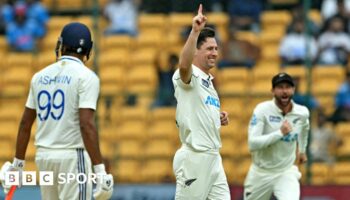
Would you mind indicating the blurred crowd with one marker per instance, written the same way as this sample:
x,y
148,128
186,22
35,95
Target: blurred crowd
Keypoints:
x,y
23,22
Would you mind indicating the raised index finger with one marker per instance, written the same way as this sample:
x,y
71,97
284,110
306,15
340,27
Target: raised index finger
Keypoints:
x,y
200,9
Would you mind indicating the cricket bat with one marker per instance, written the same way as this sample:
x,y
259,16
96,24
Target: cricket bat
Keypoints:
x,y
11,193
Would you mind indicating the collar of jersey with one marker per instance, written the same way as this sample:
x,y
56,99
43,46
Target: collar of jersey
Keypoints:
x,y
71,58
198,72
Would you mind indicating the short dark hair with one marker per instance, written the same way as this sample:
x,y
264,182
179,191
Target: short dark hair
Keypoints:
x,y
205,33
67,50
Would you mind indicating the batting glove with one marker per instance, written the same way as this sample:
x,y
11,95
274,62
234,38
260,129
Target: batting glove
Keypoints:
x,y
16,165
104,183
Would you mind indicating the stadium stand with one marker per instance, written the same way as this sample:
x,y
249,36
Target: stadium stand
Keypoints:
x,y
141,141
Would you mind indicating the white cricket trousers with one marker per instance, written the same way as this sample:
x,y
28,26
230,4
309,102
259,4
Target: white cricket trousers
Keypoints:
x,y
199,175
65,161
260,184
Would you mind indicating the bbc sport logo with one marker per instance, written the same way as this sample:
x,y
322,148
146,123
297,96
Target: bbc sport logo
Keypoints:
x,y
47,178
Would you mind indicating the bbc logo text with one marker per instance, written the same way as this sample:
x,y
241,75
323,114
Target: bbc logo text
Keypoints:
x,y
47,178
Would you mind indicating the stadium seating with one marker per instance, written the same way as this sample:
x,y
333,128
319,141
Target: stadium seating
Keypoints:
x,y
131,149
272,36
340,173
228,149
125,170
297,71
116,57
233,80
230,131
320,173
326,102
57,22
44,59
143,57
221,22
328,72
163,113
163,129
270,52
237,109
242,167
230,170
157,170
159,148
178,21
8,129
6,153
131,130
343,129
3,45
139,142
344,150
275,18
112,80
141,80
315,16
116,42
151,28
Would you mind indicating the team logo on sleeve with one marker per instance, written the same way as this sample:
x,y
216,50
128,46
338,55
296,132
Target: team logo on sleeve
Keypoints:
x,y
296,120
254,120
275,118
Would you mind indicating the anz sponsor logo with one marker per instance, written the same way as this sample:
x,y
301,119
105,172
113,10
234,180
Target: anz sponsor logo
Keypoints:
x,y
212,101
291,137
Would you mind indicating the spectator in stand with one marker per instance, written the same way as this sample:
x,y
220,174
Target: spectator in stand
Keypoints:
x,y
165,93
334,44
22,34
303,99
8,11
122,17
236,52
6,15
37,12
298,13
245,14
293,48
324,139
338,8
329,8
342,102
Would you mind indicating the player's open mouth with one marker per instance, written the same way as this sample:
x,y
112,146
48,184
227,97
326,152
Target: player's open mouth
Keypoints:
x,y
284,98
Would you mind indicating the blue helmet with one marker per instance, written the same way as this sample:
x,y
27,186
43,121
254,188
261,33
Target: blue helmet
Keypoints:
x,y
76,37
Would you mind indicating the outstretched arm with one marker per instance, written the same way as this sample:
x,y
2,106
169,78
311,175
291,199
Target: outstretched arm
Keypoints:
x,y
188,51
